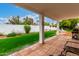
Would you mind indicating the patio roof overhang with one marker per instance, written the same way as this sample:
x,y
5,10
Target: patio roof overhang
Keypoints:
x,y
55,11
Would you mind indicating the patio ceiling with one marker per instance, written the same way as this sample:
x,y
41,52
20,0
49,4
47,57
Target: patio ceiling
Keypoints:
x,y
55,11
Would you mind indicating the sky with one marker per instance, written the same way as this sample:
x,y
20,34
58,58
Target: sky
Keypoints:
x,y
7,10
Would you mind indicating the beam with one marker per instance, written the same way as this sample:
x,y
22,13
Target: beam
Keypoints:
x,y
41,29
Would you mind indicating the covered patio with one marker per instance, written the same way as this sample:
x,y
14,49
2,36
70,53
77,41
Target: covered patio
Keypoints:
x,y
54,45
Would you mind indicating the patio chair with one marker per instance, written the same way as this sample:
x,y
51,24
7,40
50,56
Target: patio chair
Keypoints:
x,y
70,48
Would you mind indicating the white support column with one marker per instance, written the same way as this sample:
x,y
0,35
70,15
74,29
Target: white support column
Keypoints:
x,y
58,28
41,29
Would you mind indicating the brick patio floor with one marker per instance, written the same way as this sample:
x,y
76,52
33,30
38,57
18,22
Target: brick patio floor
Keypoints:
x,y
52,46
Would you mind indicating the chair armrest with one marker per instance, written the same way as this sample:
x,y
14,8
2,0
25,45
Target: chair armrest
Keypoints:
x,y
70,42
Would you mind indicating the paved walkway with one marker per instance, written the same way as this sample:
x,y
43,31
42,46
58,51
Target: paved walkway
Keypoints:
x,y
52,46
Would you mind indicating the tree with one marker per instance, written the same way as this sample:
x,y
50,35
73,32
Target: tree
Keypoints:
x,y
28,21
65,24
69,24
46,24
54,25
73,23
15,20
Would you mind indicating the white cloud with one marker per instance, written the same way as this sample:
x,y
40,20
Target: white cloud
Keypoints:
x,y
3,20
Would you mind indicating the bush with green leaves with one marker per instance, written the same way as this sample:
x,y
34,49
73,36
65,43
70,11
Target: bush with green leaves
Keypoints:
x,y
11,34
27,28
68,24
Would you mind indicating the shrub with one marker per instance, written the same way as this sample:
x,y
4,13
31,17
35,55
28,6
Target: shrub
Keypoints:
x,y
11,34
27,28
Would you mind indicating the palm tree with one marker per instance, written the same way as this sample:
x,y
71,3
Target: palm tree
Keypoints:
x,y
28,21
15,20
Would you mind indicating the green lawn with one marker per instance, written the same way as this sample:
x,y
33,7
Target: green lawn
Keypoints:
x,y
10,45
